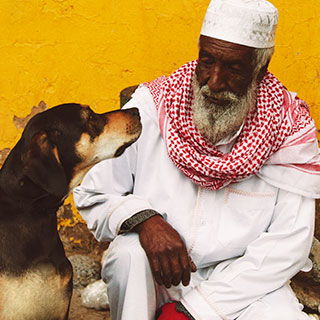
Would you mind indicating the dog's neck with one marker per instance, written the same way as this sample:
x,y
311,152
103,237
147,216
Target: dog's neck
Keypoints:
x,y
16,204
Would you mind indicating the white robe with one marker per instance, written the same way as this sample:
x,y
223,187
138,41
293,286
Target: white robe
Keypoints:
x,y
258,235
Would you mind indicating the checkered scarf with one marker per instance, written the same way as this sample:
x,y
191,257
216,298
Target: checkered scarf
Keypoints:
x,y
264,132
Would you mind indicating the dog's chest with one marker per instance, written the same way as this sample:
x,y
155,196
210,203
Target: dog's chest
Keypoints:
x,y
37,294
26,239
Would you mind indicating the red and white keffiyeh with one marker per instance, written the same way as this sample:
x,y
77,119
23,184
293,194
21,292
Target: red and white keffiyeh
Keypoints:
x,y
279,122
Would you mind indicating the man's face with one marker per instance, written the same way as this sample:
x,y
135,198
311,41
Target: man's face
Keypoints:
x,y
224,88
224,66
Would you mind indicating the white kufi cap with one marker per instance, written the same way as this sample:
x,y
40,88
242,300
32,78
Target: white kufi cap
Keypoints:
x,y
251,23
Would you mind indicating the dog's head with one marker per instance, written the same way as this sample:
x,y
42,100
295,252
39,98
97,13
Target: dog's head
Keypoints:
x,y
58,146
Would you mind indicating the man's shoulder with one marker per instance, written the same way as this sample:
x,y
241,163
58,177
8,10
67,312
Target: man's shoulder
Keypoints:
x,y
143,100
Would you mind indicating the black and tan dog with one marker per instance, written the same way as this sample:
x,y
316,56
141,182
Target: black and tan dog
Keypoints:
x,y
57,148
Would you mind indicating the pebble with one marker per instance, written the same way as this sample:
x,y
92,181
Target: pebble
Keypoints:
x,y
85,270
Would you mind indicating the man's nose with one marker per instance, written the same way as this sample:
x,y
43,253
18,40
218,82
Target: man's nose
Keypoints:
x,y
216,81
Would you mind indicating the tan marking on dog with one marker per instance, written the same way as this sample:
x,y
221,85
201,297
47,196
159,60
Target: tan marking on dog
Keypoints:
x,y
120,129
35,295
84,145
41,139
56,154
124,123
85,112
84,149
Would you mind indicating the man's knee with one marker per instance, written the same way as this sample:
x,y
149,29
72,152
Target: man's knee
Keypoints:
x,y
278,305
281,313
124,254
284,305
277,312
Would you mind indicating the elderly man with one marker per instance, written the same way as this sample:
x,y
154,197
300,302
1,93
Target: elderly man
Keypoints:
x,y
211,212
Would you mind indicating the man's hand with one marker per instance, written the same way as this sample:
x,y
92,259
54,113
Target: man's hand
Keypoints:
x,y
166,252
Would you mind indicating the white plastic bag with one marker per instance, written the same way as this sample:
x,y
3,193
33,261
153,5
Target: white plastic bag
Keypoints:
x,y
95,296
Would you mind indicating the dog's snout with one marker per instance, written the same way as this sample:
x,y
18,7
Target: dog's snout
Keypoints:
x,y
134,112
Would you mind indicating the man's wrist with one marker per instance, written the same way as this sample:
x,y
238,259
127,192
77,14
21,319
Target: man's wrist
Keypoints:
x,y
131,223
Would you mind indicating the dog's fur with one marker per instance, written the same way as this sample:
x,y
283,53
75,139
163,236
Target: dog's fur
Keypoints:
x,y
57,148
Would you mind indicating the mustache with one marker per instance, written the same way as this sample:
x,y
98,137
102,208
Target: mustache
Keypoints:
x,y
227,96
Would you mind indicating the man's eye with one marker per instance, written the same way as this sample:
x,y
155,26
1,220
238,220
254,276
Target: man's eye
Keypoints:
x,y
206,61
235,67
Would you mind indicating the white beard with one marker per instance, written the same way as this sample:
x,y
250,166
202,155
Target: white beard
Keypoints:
x,y
217,122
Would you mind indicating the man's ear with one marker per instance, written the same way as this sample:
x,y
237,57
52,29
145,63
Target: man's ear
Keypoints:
x,y
42,166
262,72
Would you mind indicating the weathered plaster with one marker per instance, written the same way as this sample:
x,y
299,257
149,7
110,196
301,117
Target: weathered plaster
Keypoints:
x,y
20,122
3,155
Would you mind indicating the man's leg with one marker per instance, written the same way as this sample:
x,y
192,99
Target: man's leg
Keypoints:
x,y
133,294
277,305
131,289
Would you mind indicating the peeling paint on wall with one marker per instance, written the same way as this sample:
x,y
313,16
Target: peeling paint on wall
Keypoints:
x,y
3,155
20,123
67,215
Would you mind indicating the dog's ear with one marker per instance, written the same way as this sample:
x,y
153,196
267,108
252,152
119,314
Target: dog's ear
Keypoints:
x,y
42,166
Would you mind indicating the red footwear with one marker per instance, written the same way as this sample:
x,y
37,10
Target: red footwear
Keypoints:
x,y
168,312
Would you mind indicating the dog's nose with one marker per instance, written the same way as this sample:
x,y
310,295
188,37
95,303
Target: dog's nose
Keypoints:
x,y
134,112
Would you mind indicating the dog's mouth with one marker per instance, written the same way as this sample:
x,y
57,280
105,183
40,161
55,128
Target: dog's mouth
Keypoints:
x,y
121,150
134,127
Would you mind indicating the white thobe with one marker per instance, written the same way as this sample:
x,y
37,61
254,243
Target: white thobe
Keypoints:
x,y
251,235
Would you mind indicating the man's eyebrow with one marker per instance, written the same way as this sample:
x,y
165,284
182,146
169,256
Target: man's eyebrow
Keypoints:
x,y
203,52
236,61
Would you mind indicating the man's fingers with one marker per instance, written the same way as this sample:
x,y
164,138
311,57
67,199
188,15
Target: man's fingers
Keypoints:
x,y
166,251
186,268
156,269
176,270
193,266
186,275
172,270
165,270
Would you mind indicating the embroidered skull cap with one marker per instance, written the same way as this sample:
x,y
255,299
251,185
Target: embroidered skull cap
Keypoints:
x,y
251,23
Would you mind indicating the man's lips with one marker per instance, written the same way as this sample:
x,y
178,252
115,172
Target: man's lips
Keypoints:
x,y
216,101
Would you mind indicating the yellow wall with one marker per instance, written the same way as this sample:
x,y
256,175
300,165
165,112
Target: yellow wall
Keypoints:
x,y
88,50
